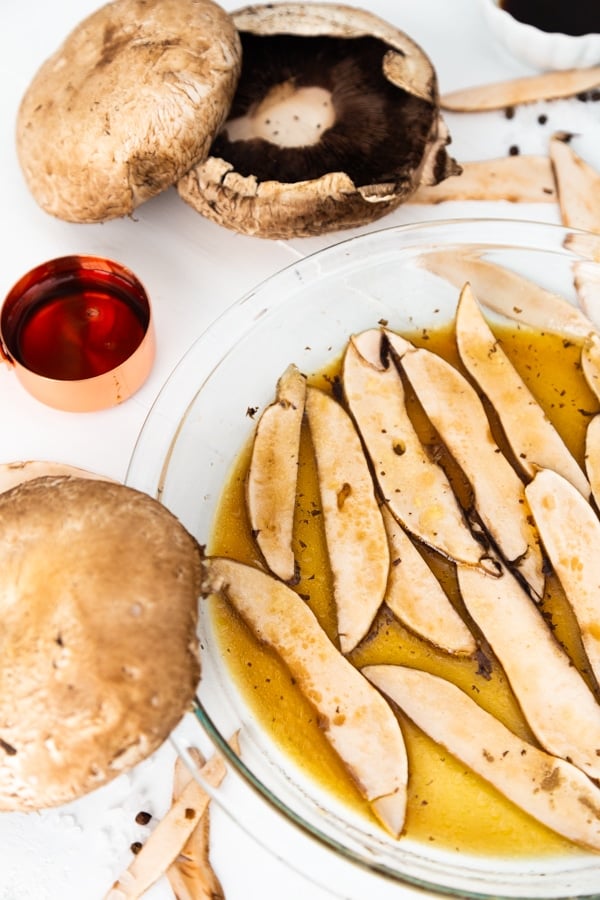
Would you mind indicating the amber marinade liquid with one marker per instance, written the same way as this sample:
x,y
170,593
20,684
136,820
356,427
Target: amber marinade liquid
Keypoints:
x,y
449,806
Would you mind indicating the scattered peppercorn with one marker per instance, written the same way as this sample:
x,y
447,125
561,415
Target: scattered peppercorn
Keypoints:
x,y
542,119
136,847
143,818
514,150
509,112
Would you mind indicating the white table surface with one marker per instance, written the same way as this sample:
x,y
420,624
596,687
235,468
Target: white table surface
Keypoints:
x,y
193,270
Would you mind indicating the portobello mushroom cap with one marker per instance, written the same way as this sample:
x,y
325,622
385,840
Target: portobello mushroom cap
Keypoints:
x,y
128,103
335,122
99,588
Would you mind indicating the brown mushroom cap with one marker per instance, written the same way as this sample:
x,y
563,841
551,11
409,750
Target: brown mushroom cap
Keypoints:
x,y
384,138
128,103
99,587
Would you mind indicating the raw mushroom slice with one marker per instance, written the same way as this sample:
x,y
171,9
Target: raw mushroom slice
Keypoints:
x,y
532,437
418,600
166,841
456,411
357,544
570,532
510,294
414,487
549,789
516,179
559,707
335,123
528,89
586,279
14,473
273,474
356,720
578,185
191,874
590,364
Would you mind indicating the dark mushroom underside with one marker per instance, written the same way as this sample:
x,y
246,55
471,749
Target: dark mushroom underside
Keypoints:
x,y
380,131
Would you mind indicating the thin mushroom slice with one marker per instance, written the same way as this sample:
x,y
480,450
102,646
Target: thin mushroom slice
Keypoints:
x,y
570,532
532,437
273,474
510,294
414,487
586,279
354,531
166,841
356,720
592,456
418,600
191,875
528,89
551,790
578,186
457,413
516,179
559,707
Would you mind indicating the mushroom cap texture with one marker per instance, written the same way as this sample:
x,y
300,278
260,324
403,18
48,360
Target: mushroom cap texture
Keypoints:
x,y
99,588
128,103
285,209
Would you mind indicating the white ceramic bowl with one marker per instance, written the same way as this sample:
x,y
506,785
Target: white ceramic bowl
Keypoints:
x,y
540,49
184,455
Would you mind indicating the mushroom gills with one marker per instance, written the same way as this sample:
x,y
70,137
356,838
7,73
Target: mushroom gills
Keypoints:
x,y
415,488
356,720
417,599
558,705
550,789
457,413
355,535
570,532
534,441
273,474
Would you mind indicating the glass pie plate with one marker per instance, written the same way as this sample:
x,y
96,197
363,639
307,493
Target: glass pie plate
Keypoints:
x,y
185,452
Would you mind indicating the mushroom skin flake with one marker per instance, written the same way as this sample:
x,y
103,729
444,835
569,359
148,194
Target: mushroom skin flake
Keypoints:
x,y
481,821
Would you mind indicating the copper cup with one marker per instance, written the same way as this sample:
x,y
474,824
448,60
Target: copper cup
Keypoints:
x,y
78,333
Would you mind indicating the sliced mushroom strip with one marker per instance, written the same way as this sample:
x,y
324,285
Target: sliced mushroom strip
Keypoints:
x,y
578,185
191,875
510,294
559,707
516,179
354,531
549,789
273,474
590,364
356,720
529,89
166,841
414,487
570,532
457,413
417,598
586,279
532,437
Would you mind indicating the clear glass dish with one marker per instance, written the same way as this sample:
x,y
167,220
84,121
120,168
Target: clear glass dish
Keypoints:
x,y
185,452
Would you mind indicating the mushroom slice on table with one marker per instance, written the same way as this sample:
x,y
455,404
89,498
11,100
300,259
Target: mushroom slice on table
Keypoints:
x,y
414,487
558,705
590,364
516,179
509,293
551,790
532,437
528,89
418,600
191,874
334,123
273,474
586,279
457,413
355,535
356,720
578,185
169,837
570,532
